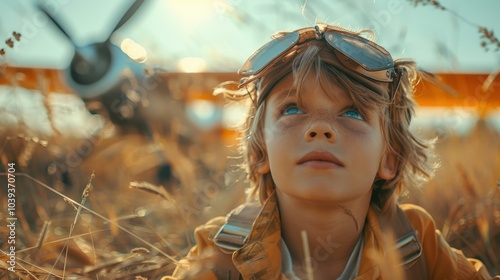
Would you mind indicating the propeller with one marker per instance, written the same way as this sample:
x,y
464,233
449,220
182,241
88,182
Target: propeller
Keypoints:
x,y
102,71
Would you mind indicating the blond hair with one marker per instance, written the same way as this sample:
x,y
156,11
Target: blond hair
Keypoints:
x,y
396,110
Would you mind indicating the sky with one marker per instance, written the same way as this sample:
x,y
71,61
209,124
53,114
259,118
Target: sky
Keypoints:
x,y
220,34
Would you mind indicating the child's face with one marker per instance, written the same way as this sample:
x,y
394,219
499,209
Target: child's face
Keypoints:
x,y
322,150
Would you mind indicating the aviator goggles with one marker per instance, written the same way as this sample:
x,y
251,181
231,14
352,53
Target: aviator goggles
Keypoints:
x,y
354,52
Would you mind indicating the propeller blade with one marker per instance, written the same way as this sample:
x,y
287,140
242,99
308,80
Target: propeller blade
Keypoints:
x,y
47,13
130,12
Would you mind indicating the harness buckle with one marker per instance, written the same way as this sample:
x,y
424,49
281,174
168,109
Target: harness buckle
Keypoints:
x,y
409,248
230,237
235,232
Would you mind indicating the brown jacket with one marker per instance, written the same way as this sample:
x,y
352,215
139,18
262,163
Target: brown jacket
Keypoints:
x,y
260,257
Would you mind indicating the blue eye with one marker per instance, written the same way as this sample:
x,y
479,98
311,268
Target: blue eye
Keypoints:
x,y
291,110
353,113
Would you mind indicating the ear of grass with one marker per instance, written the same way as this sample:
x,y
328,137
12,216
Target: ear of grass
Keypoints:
x,y
85,194
160,191
150,188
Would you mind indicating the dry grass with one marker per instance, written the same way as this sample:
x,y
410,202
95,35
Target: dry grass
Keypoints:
x,y
106,213
464,196
103,220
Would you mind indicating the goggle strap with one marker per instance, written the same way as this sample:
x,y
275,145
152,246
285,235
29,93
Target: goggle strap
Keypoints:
x,y
249,93
319,33
398,75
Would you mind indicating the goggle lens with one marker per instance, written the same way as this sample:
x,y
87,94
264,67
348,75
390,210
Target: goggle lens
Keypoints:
x,y
267,53
369,55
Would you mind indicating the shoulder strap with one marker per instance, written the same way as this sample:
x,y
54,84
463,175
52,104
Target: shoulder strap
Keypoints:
x,y
232,236
407,243
234,233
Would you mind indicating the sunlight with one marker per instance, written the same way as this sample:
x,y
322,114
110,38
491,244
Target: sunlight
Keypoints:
x,y
192,12
192,65
134,50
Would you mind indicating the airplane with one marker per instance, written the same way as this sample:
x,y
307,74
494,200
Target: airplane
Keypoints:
x,y
101,72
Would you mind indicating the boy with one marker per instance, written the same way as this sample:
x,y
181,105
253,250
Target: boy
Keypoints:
x,y
327,148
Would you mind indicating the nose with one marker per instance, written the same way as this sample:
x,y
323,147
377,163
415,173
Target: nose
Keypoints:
x,y
320,130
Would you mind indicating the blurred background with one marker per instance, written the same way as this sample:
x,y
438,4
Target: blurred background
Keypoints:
x,y
221,34
121,150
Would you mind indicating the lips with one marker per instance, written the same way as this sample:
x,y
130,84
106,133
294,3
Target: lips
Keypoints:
x,y
320,157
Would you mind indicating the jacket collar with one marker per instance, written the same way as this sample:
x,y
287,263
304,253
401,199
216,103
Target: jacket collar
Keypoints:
x,y
260,257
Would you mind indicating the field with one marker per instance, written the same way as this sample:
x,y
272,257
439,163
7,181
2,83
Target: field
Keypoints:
x,y
114,203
